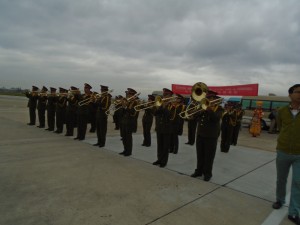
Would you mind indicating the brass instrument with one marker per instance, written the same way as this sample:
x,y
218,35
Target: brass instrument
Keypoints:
x,y
199,101
117,104
156,103
99,95
36,93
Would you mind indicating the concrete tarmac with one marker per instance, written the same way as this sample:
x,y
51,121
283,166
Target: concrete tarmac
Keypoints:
x,y
47,178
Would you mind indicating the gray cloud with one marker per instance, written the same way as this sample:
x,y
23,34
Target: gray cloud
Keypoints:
x,y
149,45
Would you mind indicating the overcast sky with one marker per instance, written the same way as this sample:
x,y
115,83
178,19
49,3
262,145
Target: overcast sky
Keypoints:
x,y
150,44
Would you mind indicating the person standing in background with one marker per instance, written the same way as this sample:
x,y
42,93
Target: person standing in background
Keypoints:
x,y
288,154
255,127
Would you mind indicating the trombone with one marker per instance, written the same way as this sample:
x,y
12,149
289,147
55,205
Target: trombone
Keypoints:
x,y
117,104
156,103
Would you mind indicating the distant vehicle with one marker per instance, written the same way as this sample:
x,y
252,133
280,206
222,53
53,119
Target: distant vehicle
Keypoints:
x,y
269,103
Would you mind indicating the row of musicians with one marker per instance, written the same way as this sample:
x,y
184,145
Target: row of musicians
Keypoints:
x,y
208,128
64,108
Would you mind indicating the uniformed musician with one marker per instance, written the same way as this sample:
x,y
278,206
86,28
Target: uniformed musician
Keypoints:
x,y
227,125
177,123
147,122
208,131
127,121
236,130
83,112
192,126
60,113
51,108
103,104
41,106
71,110
32,102
163,115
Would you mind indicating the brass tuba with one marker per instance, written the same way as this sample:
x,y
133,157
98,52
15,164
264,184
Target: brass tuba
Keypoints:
x,y
198,97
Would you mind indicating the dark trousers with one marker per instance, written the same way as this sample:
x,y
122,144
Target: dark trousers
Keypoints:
x,y
127,139
147,133
163,145
60,119
235,133
71,117
51,119
226,137
93,121
192,126
174,142
101,124
82,122
32,115
206,151
41,115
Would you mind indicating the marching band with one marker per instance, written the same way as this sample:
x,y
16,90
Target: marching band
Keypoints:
x,y
169,111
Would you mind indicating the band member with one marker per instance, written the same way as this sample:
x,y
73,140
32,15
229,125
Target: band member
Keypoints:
x,y
103,104
228,123
208,131
147,122
71,110
177,123
236,130
163,113
61,105
92,115
255,127
51,108
32,102
127,121
41,106
192,126
135,124
117,113
83,112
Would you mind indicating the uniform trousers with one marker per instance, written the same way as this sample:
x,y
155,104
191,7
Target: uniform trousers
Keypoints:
x,y
206,151
163,146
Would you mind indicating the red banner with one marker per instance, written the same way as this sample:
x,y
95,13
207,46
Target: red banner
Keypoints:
x,y
234,90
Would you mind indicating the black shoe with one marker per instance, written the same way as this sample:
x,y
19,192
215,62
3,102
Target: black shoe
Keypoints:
x,y
122,153
76,138
68,135
143,145
51,130
57,131
41,126
207,178
162,165
47,129
175,153
81,139
30,124
294,219
97,144
196,174
188,143
101,146
127,154
156,163
277,205
147,145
